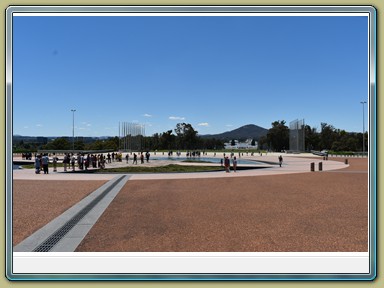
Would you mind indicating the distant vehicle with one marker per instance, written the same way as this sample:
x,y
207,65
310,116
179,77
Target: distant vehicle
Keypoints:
x,y
320,153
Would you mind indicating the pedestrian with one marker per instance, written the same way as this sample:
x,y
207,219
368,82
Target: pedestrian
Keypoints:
x,y
37,165
234,164
102,161
78,160
147,155
280,160
134,158
81,161
73,160
54,161
45,161
226,164
142,158
65,161
127,157
87,160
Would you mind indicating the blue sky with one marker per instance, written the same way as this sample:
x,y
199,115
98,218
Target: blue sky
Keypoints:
x,y
216,73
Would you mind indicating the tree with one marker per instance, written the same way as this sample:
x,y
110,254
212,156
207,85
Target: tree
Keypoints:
x,y
58,144
97,145
79,145
186,136
327,136
167,140
211,143
312,138
263,142
112,143
278,136
233,142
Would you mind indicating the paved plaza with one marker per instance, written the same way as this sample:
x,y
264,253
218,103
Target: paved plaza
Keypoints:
x,y
286,208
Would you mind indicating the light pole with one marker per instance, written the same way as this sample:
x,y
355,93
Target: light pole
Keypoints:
x,y
73,129
363,102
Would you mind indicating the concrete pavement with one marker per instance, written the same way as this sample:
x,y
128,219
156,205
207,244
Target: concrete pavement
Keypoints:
x,y
292,163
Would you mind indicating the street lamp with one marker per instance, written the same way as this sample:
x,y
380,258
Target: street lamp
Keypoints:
x,y
73,129
363,102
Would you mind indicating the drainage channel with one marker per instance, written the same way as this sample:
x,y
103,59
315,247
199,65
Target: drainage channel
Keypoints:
x,y
59,234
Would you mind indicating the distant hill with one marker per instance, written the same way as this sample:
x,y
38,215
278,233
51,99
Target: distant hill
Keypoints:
x,y
250,131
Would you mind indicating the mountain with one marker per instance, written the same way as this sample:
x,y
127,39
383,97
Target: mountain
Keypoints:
x,y
250,131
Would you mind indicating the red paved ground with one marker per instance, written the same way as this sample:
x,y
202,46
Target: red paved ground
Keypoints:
x,y
37,202
318,211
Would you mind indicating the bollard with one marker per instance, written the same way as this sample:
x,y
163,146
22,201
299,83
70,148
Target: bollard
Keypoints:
x,y
320,166
312,167
346,161
324,158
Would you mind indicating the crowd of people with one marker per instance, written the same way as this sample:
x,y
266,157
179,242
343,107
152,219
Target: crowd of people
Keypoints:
x,y
85,161
42,163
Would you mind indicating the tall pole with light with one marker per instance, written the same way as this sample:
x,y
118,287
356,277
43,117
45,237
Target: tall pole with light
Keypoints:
x,y
363,102
73,129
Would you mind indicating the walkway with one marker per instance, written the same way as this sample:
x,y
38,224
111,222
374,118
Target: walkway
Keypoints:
x,y
292,164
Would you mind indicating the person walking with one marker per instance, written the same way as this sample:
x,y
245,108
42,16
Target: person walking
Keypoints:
x,y
54,161
37,165
65,161
73,160
226,164
134,158
45,161
234,164
280,160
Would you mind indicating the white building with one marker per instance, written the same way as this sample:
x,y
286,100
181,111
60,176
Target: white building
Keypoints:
x,y
241,145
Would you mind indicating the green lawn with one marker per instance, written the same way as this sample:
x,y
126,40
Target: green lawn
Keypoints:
x,y
161,169
142,169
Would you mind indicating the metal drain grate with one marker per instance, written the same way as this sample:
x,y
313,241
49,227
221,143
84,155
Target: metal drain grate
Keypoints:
x,y
52,240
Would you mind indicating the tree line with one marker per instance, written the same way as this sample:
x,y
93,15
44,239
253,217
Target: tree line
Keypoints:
x,y
328,138
185,137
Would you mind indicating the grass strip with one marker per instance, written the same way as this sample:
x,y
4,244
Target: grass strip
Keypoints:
x,y
171,168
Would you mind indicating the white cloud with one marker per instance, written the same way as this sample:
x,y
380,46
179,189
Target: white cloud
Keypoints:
x,y
203,124
147,115
26,127
39,125
176,118
86,124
